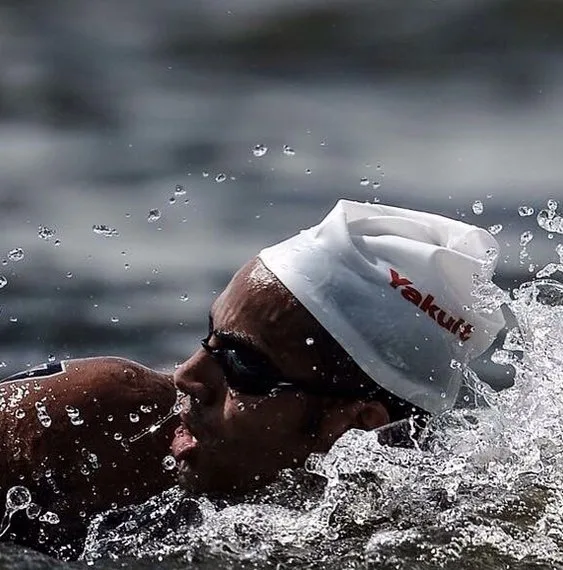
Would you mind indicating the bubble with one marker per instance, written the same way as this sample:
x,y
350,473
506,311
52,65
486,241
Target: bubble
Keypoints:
x,y
134,418
168,463
364,181
179,190
495,229
259,150
184,297
309,341
525,211
16,254
3,281
45,233
221,177
477,207
103,230
288,151
154,215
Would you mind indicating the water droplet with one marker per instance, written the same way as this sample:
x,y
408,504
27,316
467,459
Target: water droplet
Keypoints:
x,y
259,150
50,518
364,181
126,491
309,341
20,414
16,254
114,319
549,221
288,151
241,406
57,242
45,233
18,498
3,281
33,511
525,211
154,215
69,275
220,177
42,415
477,207
117,436
146,409
51,358
74,415
134,418
495,229
205,174
455,364
171,200
168,463
103,230
552,205
526,238
127,266
376,185
179,190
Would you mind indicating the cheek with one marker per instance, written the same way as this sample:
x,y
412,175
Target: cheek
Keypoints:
x,y
260,419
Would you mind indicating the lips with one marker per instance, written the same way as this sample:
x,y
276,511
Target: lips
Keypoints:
x,y
183,443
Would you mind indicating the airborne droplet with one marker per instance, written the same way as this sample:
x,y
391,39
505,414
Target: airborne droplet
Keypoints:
x,y
154,215
288,151
3,281
168,463
103,230
477,207
16,254
259,150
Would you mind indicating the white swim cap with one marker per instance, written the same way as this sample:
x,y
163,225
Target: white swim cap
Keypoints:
x,y
394,288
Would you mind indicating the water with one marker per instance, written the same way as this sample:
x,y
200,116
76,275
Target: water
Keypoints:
x,y
191,136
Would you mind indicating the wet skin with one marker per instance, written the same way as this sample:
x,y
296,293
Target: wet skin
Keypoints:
x,y
230,441
76,470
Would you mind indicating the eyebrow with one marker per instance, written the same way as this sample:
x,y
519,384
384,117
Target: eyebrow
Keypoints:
x,y
236,339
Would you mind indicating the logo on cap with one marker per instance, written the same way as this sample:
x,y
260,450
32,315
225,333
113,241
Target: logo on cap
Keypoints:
x,y
456,326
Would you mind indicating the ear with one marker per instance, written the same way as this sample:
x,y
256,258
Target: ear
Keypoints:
x,y
348,415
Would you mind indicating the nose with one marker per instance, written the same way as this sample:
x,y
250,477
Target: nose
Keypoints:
x,y
198,376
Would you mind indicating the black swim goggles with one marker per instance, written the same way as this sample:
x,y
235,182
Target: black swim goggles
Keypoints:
x,y
248,372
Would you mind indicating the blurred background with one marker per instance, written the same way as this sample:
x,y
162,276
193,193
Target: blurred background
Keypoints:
x,y
148,149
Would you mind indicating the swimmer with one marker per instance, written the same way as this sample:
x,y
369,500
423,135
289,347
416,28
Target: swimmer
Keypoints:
x,y
359,322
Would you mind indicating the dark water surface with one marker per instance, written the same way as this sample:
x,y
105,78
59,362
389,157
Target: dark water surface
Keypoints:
x,y
109,111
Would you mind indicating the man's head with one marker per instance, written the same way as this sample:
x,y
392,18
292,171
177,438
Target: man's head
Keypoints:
x,y
349,324
244,439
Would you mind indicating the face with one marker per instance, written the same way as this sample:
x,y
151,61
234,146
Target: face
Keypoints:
x,y
230,440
